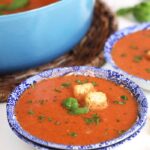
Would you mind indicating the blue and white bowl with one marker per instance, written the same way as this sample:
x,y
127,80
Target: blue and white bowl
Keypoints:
x,y
145,84
86,71
39,147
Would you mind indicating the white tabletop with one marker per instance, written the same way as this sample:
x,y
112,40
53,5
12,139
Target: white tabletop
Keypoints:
x,y
9,141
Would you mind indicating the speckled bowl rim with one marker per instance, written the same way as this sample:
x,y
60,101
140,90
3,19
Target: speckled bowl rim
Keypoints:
x,y
115,38
78,70
39,147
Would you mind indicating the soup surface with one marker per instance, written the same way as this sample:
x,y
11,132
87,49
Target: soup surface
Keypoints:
x,y
14,6
132,54
40,112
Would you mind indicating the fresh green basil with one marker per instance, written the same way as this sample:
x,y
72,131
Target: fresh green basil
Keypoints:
x,y
141,11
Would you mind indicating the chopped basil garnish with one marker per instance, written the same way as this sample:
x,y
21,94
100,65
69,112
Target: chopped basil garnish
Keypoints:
x,y
121,132
124,97
119,102
66,84
94,83
31,112
94,119
137,59
49,119
147,70
29,101
41,117
73,134
79,81
86,81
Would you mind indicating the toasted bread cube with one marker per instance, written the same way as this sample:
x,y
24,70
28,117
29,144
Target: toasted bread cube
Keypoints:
x,y
96,100
148,54
80,91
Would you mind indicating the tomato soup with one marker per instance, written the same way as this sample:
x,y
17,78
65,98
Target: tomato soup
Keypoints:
x,y
40,112
14,6
132,54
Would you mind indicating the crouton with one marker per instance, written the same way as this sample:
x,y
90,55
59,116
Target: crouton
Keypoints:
x,y
80,91
148,54
96,100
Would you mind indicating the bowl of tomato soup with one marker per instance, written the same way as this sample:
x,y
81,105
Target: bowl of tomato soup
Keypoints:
x,y
34,32
128,52
77,108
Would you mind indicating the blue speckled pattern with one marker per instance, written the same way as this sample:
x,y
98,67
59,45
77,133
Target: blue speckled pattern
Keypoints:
x,y
109,45
86,71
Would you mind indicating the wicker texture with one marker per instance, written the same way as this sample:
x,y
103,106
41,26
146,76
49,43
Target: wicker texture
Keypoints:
x,y
87,52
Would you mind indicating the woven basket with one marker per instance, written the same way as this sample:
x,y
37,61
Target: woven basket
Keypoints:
x,y
88,52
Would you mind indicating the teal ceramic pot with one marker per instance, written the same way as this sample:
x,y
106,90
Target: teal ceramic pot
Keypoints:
x,y
34,37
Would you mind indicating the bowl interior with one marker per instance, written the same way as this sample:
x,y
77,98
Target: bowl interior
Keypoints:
x,y
86,71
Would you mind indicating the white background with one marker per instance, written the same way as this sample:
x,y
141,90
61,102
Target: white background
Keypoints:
x,y
9,141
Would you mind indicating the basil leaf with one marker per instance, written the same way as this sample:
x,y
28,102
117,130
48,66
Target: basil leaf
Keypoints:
x,y
124,11
141,11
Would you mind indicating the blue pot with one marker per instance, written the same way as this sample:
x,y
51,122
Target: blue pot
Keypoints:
x,y
34,37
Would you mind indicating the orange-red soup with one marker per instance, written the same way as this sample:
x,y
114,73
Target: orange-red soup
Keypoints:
x,y
32,4
132,54
40,112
